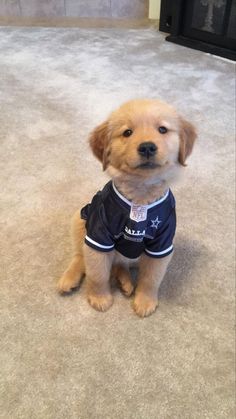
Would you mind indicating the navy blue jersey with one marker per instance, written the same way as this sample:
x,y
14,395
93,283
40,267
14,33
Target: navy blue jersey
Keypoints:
x,y
113,222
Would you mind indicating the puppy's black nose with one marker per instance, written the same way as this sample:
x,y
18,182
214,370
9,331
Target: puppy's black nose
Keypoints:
x,y
147,149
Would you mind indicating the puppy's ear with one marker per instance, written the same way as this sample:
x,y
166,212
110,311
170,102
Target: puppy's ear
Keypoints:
x,y
187,136
98,141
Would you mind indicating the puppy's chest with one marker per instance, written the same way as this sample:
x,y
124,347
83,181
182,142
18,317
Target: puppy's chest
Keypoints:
x,y
137,224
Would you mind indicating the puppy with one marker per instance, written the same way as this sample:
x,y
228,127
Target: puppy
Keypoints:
x,y
142,145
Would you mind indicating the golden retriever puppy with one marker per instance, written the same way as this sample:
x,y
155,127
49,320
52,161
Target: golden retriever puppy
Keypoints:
x,y
142,145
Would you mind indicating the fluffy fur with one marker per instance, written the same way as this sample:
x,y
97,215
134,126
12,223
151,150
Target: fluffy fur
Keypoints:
x,y
141,180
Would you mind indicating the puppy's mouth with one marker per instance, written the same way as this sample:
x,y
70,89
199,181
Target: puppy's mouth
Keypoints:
x,y
148,165
144,165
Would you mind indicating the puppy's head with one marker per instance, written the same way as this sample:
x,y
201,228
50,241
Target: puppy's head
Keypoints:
x,y
143,137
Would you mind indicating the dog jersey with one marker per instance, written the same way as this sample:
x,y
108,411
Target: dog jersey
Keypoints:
x,y
113,222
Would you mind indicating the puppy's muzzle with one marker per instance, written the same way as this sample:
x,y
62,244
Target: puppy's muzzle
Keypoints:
x,y
147,150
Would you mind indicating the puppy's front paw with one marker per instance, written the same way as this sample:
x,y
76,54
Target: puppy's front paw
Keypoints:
x,y
100,302
144,305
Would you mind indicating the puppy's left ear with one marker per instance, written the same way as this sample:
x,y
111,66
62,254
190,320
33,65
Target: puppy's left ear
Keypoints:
x,y
187,136
98,141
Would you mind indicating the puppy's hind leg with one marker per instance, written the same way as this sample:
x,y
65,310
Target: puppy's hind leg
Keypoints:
x,y
73,275
123,276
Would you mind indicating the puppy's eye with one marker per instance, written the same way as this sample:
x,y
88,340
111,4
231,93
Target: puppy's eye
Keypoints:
x,y
127,133
162,130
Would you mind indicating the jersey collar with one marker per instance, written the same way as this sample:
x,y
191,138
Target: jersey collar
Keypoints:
x,y
158,202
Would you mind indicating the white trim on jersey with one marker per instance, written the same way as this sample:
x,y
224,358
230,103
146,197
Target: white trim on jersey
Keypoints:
x,y
121,196
102,246
159,201
160,253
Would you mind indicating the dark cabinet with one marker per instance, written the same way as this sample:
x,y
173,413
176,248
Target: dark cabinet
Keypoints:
x,y
207,25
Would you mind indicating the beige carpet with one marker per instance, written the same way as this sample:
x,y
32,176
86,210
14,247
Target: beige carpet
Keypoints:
x,y
59,357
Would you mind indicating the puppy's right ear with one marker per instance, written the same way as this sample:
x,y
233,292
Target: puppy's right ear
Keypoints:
x,y
98,142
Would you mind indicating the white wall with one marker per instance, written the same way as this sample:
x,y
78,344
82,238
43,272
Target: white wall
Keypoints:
x,y
154,9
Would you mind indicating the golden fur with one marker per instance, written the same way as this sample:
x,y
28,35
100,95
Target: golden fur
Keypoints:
x,y
138,183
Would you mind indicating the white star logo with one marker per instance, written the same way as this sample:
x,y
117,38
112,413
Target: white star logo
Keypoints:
x,y
155,223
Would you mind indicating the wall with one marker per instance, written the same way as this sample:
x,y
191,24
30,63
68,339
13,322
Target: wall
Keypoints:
x,y
154,9
75,8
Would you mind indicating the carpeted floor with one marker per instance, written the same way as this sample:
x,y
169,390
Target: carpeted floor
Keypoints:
x,y
59,357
